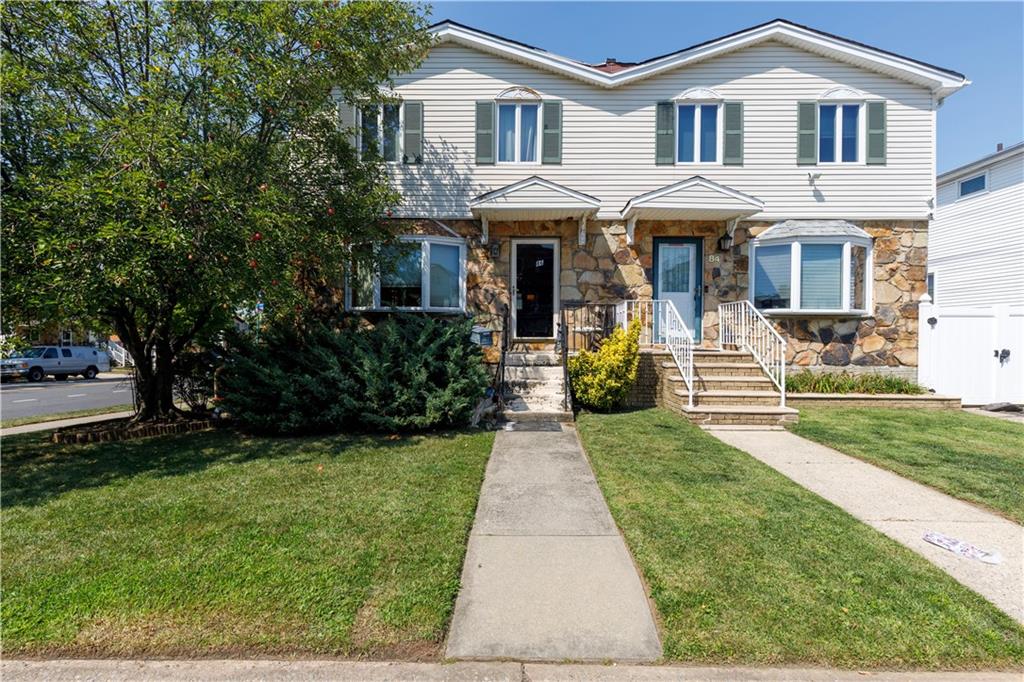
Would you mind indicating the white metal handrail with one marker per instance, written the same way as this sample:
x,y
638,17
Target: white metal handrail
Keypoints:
x,y
120,354
742,325
661,324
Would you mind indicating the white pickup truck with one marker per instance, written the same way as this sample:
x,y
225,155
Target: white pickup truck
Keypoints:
x,y
57,361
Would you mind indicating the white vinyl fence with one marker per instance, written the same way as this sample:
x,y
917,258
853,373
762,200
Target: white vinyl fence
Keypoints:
x,y
976,353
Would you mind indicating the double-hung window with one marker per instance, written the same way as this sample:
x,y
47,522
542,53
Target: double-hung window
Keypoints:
x,y
815,275
839,133
697,137
518,124
419,273
380,131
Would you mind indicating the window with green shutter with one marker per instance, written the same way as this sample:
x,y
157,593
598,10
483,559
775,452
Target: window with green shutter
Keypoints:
x,y
876,134
412,143
732,154
485,133
552,138
665,134
807,133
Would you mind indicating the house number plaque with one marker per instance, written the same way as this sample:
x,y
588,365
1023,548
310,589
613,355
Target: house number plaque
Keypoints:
x,y
714,258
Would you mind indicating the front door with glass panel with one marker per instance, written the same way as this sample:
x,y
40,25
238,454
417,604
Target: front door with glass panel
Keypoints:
x,y
534,293
677,279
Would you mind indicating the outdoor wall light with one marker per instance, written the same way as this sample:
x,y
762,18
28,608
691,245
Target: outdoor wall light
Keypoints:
x,y
725,242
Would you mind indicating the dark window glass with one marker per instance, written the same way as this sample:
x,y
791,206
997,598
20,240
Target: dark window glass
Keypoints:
x,y
402,286
687,123
391,130
65,352
972,185
50,354
850,114
772,276
708,132
370,130
827,133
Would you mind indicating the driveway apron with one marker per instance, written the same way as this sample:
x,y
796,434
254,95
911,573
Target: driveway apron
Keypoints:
x,y
902,509
547,576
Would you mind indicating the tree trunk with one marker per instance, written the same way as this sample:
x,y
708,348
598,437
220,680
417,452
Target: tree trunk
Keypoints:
x,y
154,374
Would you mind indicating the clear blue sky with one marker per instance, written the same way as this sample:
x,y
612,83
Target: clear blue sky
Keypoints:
x,y
984,40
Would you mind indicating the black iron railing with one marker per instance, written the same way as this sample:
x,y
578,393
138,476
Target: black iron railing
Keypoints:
x,y
500,383
581,327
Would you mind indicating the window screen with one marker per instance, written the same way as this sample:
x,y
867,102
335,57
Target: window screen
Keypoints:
x,y
772,276
821,276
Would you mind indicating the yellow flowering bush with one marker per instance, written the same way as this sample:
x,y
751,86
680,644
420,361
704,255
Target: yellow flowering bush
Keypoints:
x,y
602,379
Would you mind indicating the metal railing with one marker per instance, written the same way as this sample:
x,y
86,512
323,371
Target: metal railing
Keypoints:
x,y
662,325
563,346
500,383
742,325
120,354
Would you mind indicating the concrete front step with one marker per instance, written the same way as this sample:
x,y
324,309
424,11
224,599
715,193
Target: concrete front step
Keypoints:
x,y
551,373
729,397
517,359
741,414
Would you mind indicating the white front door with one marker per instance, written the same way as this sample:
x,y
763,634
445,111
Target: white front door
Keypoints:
x,y
677,280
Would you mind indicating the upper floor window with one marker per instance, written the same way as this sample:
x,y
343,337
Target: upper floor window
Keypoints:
x,y
839,133
420,273
394,131
517,132
697,135
978,183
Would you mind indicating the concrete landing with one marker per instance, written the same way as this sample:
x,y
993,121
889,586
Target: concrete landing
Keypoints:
x,y
547,576
902,509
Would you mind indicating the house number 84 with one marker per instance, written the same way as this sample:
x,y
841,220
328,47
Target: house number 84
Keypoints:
x,y
714,258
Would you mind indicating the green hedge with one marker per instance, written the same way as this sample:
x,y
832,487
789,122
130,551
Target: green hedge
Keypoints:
x,y
601,380
844,382
408,372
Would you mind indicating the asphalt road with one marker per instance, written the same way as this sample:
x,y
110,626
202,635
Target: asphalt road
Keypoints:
x,y
20,399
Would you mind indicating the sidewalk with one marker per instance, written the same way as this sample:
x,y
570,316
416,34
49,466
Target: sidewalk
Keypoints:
x,y
901,509
60,423
353,671
547,576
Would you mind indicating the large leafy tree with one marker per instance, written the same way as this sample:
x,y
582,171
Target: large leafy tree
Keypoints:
x,y
166,163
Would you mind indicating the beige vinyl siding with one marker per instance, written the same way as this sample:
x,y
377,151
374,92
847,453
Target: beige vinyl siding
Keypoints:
x,y
976,244
609,135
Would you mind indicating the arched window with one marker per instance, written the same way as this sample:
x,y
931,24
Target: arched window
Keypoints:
x,y
518,125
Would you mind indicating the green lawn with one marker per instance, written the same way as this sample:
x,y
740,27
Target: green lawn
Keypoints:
x,y
975,458
217,544
747,567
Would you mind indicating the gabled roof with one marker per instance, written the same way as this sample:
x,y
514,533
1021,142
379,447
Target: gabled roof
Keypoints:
x,y
694,197
981,163
941,81
535,197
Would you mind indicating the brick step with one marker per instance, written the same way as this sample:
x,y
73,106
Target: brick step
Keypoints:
x,y
725,397
727,383
738,369
732,356
741,414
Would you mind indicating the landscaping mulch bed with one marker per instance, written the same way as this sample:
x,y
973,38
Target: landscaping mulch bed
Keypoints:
x,y
124,429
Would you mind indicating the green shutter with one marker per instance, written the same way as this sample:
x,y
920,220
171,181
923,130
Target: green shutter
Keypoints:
x,y
665,134
552,141
733,143
412,144
876,134
807,133
485,133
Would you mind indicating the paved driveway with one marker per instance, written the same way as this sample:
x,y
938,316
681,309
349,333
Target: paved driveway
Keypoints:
x,y
20,399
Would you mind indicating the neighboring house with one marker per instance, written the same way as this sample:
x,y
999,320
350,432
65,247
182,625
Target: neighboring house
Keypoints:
x,y
779,165
975,346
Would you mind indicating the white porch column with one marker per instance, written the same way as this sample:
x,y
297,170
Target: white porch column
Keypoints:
x,y
583,231
630,230
483,226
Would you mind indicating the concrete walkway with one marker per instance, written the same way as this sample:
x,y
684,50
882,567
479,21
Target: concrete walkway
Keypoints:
x,y
355,671
61,423
547,576
901,509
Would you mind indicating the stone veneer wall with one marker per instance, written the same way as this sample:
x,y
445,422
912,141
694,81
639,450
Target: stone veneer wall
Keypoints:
x,y
607,269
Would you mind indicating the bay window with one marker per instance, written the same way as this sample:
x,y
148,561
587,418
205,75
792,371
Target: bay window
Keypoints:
x,y
817,275
420,273
517,132
697,136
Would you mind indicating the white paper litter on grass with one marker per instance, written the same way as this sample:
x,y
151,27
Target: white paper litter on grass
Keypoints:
x,y
964,549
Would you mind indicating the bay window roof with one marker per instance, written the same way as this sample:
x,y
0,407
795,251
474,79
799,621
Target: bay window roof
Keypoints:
x,y
800,229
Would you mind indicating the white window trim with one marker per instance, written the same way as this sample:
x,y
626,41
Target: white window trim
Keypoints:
x,y
697,118
400,143
934,293
516,149
794,277
425,241
980,192
862,129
